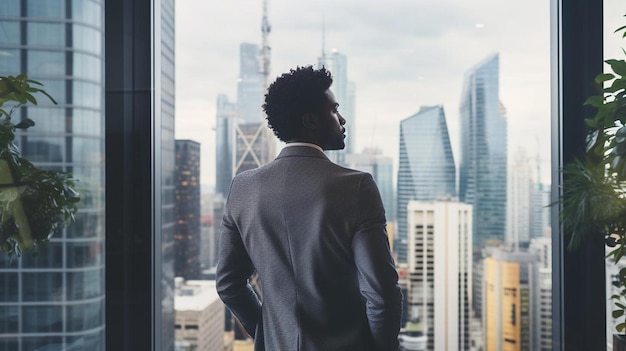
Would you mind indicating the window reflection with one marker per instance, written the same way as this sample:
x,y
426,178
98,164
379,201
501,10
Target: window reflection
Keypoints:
x,y
44,286
46,63
9,61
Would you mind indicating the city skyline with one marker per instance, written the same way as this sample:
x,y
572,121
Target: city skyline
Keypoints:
x,y
398,63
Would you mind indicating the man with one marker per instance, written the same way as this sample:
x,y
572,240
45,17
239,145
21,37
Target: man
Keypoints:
x,y
314,232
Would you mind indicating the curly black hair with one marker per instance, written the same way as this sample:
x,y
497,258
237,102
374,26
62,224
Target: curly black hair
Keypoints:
x,y
293,94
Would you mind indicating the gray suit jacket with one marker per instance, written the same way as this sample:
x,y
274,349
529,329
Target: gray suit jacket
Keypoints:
x,y
315,233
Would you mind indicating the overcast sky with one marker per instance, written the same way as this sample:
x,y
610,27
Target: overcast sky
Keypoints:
x,y
402,54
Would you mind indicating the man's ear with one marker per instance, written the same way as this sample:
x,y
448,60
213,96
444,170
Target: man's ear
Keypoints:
x,y
310,121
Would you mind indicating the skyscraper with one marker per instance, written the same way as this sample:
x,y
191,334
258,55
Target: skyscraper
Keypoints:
x,y
540,211
426,171
482,172
56,301
250,87
345,92
507,307
519,202
168,186
187,237
372,160
541,296
243,140
440,269
227,115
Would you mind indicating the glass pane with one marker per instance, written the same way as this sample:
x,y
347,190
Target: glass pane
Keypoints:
x,y
84,317
46,9
84,285
87,39
87,94
51,120
42,319
50,256
44,149
84,254
86,11
9,33
87,122
46,286
8,319
8,287
87,67
436,97
9,62
10,8
87,150
46,34
46,63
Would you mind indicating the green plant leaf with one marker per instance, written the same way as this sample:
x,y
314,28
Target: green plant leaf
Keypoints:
x,y
617,313
595,101
620,327
603,77
26,123
618,66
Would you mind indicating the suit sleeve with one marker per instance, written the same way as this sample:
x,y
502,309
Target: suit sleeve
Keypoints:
x,y
234,268
377,275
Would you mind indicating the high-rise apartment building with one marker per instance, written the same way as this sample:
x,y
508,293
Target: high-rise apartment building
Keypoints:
x,y
483,165
199,316
519,202
426,171
440,269
56,301
372,161
187,235
507,307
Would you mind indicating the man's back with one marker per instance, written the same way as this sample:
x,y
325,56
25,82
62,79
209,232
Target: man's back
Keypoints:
x,y
315,232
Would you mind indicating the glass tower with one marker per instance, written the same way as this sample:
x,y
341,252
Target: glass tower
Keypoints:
x,y
187,236
426,171
56,301
483,167
168,186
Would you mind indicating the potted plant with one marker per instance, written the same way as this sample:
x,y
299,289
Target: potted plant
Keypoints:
x,y
35,203
594,196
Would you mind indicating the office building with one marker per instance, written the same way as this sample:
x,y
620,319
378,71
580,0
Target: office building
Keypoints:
x,y
440,269
345,94
199,315
372,161
519,202
541,297
168,186
187,234
227,115
56,301
507,307
540,223
250,89
426,169
483,164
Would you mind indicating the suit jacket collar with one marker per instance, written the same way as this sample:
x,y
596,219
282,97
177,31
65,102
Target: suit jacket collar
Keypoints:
x,y
304,151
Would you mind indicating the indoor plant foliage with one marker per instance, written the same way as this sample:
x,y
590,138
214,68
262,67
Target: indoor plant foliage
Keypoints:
x,y
594,189
34,203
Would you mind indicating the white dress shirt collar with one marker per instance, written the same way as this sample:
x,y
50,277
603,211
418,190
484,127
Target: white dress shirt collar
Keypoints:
x,y
305,144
